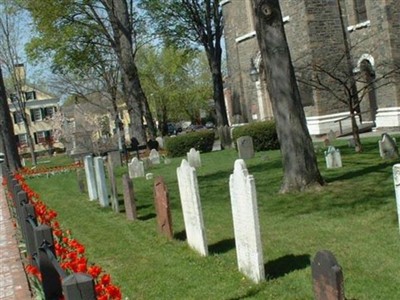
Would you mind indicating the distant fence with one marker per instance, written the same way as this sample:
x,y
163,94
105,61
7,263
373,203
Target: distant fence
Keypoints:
x,y
41,253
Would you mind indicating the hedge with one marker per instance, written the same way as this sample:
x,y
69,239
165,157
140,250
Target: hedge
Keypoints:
x,y
263,133
202,141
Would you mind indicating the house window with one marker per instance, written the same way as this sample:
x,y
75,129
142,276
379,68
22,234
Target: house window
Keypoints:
x,y
22,139
360,11
30,95
49,111
13,97
18,117
43,137
36,114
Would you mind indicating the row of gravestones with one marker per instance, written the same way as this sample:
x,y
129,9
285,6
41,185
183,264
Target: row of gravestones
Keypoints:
x,y
387,150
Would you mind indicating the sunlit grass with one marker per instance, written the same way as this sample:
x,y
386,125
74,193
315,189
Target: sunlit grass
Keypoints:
x,y
354,216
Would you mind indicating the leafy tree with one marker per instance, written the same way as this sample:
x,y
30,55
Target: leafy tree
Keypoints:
x,y
192,23
177,81
10,52
80,34
8,144
299,162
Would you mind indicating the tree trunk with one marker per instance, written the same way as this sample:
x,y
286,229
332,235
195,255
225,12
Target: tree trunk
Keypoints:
x,y
7,143
135,98
298,157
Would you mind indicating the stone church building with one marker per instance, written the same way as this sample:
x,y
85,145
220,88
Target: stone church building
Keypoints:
x,y
327,39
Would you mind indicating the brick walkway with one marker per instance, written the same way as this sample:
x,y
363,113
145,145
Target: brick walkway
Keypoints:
x,y
13,281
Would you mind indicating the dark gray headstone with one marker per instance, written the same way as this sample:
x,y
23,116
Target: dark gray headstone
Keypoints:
x,y
79,286
327,277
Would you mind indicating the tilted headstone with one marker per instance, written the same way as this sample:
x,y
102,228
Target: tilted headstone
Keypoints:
x,y
160,141
327,277
161,201
90,177
154,157
101,182
245,147
136,168
246,223
388,147
191,207
225,137
333,158
129,198
193,158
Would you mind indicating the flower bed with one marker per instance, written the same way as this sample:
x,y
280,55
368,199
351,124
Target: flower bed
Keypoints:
x,y
70,253
47,171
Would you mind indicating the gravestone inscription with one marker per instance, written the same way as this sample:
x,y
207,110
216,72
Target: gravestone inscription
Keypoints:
x,y
245,147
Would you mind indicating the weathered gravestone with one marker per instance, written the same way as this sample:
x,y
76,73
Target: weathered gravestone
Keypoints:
x,y
90,177
396,179
113,183
351,142
160,142
101,181
388,147
245,147
161,201
136,168
224,133
245,223
115,158
191,207
331,136
193,158
129,198
327,277
154,157
333,158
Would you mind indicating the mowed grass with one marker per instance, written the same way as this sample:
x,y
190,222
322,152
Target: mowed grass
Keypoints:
x,y
354,216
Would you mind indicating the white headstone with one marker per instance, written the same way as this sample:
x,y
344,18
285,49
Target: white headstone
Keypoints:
x,y
396,179
90,177
245,222
160,141
135,168
191,207
333,158
193,158
101,182
154,157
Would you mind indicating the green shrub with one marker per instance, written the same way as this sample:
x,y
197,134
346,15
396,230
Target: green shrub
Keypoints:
x,y
263,133
200,140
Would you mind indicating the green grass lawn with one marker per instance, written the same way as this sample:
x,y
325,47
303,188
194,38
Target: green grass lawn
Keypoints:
x,y
354,216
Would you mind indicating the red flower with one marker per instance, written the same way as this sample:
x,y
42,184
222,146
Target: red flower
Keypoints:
x,y
94,271
105,280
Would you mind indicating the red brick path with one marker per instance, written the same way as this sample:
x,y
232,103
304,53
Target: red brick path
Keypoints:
x,y
13,281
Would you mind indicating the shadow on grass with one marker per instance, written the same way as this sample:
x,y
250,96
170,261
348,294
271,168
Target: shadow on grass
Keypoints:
x,y
222,246
147,217
286,264
180,236
252,292
362,172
